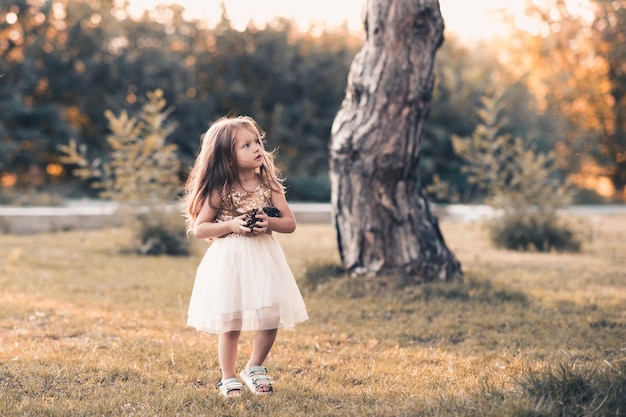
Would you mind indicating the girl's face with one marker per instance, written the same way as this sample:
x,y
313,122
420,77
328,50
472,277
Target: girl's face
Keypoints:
x,y
248,150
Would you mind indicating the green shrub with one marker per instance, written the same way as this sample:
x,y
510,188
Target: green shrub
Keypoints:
x,y
160,233
527,230
540,231
578,390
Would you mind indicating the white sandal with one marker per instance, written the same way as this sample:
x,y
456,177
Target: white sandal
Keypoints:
x,y
257,380
230,387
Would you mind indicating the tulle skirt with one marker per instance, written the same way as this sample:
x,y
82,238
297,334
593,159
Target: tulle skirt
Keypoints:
x,y
245,283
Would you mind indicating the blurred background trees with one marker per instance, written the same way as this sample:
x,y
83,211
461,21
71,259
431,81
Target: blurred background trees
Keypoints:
x,y
519,182
62,64
574,64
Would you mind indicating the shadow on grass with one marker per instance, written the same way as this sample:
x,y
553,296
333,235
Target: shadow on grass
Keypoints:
x,y
320,273
472,288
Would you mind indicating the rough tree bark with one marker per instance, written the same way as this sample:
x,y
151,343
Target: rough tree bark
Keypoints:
x,y
381,213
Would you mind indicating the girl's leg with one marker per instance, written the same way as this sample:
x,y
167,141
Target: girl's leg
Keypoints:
x,y
227,353
263,342
269,318
257,380
254,374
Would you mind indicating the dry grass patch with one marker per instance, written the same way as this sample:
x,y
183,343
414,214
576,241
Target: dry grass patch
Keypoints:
x,y
85,330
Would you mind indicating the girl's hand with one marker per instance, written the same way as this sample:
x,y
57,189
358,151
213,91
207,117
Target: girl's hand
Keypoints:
x,y
238,225
262,223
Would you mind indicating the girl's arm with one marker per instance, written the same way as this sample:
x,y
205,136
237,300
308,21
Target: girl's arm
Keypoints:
x,y
205,225
286,223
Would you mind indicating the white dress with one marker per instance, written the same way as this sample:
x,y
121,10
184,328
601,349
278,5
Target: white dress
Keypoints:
x,y
244,282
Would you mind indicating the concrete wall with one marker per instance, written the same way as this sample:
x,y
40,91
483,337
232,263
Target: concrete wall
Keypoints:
x,y
90,215
28,220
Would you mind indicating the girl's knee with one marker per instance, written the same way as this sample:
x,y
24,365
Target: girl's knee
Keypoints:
x,y
233,334
269,332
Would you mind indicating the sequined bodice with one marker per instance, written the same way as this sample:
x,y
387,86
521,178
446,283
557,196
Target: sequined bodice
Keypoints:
x,y
235,203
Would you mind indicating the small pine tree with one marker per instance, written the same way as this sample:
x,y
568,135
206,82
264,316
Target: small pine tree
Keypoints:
x,y
518,181
141,174
144,167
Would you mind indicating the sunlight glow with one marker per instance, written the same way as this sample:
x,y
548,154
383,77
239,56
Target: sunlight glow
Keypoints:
x,y
240,12
469,20
11,18
592,176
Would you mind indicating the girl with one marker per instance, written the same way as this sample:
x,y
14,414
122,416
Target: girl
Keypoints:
x,y
243,282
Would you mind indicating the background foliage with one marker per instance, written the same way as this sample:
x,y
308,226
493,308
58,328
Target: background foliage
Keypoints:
x,y
520,182
63,64
141,176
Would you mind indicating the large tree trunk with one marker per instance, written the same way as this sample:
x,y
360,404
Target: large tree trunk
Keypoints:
x,y
380,211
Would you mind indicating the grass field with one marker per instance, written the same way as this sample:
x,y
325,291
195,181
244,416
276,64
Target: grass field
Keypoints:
x,y
88,331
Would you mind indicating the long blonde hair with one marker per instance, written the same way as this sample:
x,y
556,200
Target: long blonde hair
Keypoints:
x,y
216,167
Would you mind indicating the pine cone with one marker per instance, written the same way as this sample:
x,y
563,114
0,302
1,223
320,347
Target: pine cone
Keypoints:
x,y
271,211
